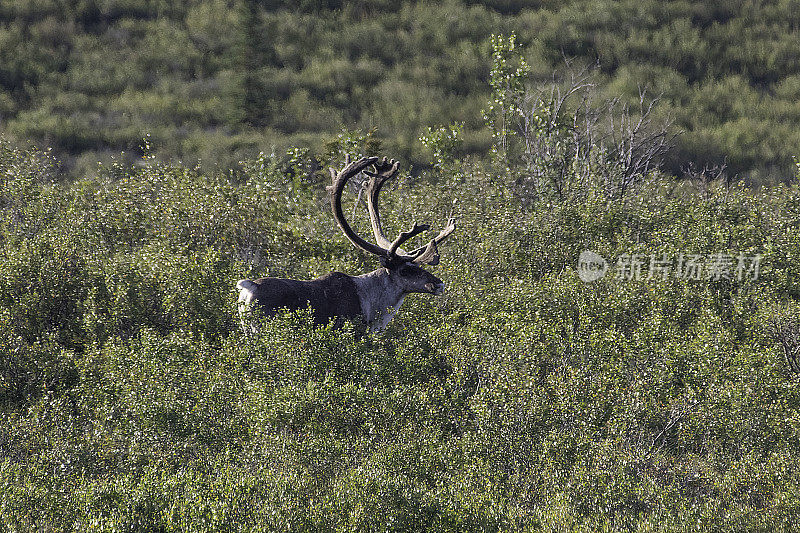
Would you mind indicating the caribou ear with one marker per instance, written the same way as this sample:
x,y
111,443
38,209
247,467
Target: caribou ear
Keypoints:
x,y
392,262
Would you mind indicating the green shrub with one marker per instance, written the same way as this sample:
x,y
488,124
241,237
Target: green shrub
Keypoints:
x,y
521,399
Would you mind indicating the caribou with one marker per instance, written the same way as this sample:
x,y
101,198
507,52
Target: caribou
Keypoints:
x,y
373,297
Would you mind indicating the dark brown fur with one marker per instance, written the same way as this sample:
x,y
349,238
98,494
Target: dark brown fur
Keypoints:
x,y
331,295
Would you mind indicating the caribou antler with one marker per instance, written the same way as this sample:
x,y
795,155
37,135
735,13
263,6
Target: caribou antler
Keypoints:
x,y
416,229
387,250
336,189
429,254
384,171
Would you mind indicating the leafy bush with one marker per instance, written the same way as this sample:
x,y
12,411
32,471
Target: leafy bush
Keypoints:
x,y
216,81
521,399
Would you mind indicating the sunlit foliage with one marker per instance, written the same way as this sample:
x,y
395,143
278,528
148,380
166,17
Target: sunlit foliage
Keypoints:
x,y
218,81
521,399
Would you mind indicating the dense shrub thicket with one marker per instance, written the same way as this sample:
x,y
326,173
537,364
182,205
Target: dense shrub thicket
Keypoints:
x,y
218,80
522,399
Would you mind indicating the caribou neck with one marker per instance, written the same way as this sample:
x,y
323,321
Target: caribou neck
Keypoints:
x,y
380,295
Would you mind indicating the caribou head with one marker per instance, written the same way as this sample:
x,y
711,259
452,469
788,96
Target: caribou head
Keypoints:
x,y
375,296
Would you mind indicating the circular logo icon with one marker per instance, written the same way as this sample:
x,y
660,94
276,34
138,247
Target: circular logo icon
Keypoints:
x,y
591,266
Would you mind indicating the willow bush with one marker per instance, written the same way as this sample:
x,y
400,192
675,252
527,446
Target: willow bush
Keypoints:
x,y
521,399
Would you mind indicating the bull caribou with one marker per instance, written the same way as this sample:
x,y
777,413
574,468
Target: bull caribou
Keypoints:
x,y
374,297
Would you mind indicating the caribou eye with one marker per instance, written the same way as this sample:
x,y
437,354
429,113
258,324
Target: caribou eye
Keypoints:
x,y
406,271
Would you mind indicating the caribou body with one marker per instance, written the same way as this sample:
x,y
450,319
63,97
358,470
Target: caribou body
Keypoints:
x,y
375,296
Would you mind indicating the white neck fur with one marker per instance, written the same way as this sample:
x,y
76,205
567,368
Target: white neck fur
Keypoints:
x,y
380,298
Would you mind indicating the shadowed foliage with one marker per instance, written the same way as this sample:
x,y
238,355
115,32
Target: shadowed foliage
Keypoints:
x,y
521,399
218,81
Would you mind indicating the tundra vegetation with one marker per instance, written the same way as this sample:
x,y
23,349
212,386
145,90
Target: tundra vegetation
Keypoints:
x,y
217,81
520,399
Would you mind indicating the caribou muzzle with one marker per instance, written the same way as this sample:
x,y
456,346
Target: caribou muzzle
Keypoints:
x,y
435,288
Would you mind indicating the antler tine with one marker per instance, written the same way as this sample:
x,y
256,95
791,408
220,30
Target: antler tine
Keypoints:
x,y
416,229
339,179
429,254
384,171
